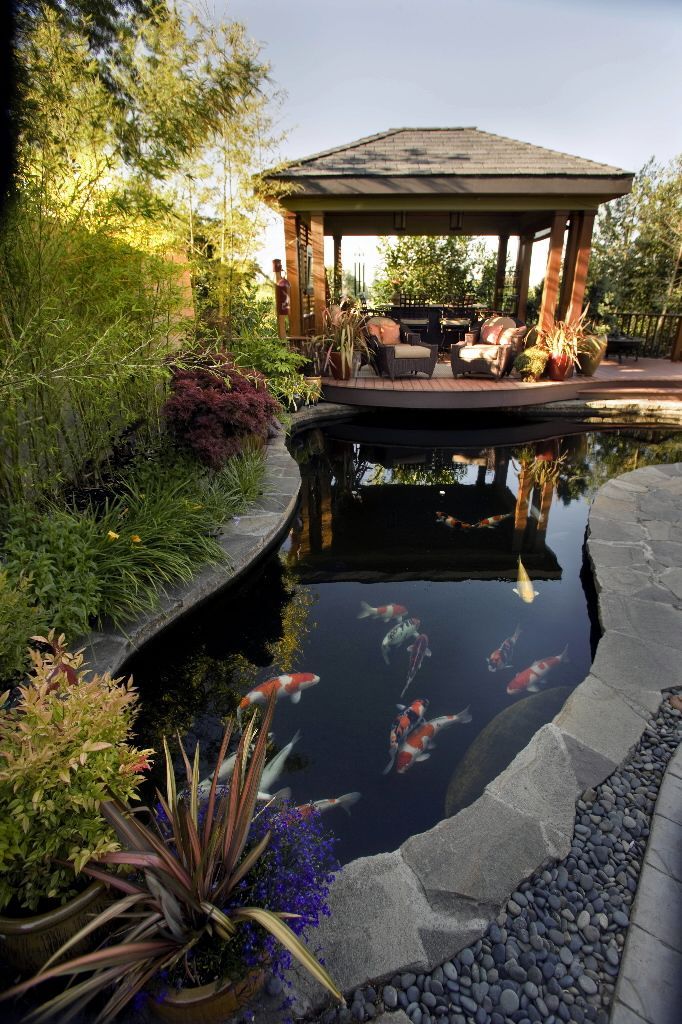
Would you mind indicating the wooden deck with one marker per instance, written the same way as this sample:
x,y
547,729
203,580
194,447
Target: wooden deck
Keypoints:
x,y
657,379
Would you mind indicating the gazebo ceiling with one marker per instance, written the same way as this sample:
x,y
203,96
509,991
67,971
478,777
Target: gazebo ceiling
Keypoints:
x,y
428,173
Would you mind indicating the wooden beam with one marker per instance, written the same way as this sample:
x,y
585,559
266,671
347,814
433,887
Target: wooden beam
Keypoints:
x,y
319,278
500,271
568,276
582,262
293,272
523,275
676,353
550,290
338,268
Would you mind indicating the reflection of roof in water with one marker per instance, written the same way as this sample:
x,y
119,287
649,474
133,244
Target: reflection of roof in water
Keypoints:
x,y
392,532
511,432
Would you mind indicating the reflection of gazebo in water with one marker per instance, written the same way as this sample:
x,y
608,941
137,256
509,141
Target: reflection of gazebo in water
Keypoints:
x,y
354,530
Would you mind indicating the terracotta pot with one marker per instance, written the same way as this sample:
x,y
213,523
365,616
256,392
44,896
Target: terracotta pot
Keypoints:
x,y
27,942
340,371
208,1004
559,367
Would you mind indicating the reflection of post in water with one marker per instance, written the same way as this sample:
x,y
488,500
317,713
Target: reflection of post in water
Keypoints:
x,y
312,527
522,503
537,469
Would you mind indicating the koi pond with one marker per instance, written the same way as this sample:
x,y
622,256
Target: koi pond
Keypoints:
x,y
439,571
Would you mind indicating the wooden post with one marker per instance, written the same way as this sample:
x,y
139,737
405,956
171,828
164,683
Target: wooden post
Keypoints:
x,y
338,270
550,291
281,318
582,261
500,271
568,276
676,354
523,275
293,272
317,242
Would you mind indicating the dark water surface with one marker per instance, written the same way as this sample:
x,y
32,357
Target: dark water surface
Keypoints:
x,y
367,530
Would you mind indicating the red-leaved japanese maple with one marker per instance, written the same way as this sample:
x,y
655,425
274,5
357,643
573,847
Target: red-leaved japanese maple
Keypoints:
x,y
214,407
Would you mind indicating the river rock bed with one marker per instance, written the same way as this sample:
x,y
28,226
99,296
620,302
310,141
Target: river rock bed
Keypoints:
x,y
553,953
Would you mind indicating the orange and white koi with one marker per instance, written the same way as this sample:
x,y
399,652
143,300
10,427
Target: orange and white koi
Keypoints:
x,y
398,635
418,649
346,801
454,524
524,585
533,677
408,719
501,658
416,744
384,611
490,522
282,686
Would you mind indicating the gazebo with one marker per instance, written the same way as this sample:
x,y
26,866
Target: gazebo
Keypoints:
x,y
438,181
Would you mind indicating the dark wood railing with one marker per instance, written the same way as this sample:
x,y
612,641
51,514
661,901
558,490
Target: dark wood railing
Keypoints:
x,y
662,332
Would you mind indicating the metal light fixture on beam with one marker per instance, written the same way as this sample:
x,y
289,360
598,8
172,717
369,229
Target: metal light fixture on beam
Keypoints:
x,y
399,221
456,221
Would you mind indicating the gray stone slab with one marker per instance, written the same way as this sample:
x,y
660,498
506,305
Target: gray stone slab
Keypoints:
x,y
654,624
622,1014
672,579
397,1017
540,782
599,717
658,907
667,552
613,530
664,849
448,859
650,981
669,802
256,523
661,506
636,581
638,671
615,508
657,531
624,553
381,922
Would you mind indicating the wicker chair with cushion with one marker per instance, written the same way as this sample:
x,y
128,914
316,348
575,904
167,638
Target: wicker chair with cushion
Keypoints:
x,y
490,350
396,355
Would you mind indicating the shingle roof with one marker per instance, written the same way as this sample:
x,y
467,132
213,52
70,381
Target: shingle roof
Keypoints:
x,y
443,151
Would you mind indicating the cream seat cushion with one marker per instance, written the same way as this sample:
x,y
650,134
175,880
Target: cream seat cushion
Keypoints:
x,y
411,352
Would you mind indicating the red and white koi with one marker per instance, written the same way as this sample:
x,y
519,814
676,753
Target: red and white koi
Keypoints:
x,y
398,635
282,686
418,649
415,747
408,719
501,658
454,524
384,611
346,801
533,677
490,522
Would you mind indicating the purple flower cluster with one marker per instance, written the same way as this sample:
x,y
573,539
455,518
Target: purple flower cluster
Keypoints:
x,y
292,876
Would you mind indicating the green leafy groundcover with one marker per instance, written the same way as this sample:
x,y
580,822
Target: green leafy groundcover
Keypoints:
x,y
110,560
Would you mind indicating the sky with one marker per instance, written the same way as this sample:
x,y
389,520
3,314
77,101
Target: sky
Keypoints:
x,y
595,78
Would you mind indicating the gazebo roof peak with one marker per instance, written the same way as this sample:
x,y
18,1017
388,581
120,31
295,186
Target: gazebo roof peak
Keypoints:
x,y
462,151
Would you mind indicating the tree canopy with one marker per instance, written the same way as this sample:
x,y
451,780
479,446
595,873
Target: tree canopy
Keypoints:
x,y
434,268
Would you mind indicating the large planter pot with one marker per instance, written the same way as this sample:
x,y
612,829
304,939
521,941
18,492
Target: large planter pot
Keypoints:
x,y
589,361
208,1004
27,942
340,370
559,367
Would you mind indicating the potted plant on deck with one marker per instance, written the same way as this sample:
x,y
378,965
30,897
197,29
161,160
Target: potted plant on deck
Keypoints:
x,y
345,340
591,348
560,342
201,906
64,747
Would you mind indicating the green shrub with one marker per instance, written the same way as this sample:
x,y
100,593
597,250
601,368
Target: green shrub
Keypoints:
x,y
20,619
530,363
63,749
55,549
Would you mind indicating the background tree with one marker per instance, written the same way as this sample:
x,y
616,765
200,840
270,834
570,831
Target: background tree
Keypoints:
x,y
435,269
637,253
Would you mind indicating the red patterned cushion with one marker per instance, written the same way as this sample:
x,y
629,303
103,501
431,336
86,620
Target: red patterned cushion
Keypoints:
x,y
493,327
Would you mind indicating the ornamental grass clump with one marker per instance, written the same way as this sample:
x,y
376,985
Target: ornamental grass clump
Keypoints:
x,y
215,407
191,903
64,748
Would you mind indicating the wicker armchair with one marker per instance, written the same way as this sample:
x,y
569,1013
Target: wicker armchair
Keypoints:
x,y
490,350
397,356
